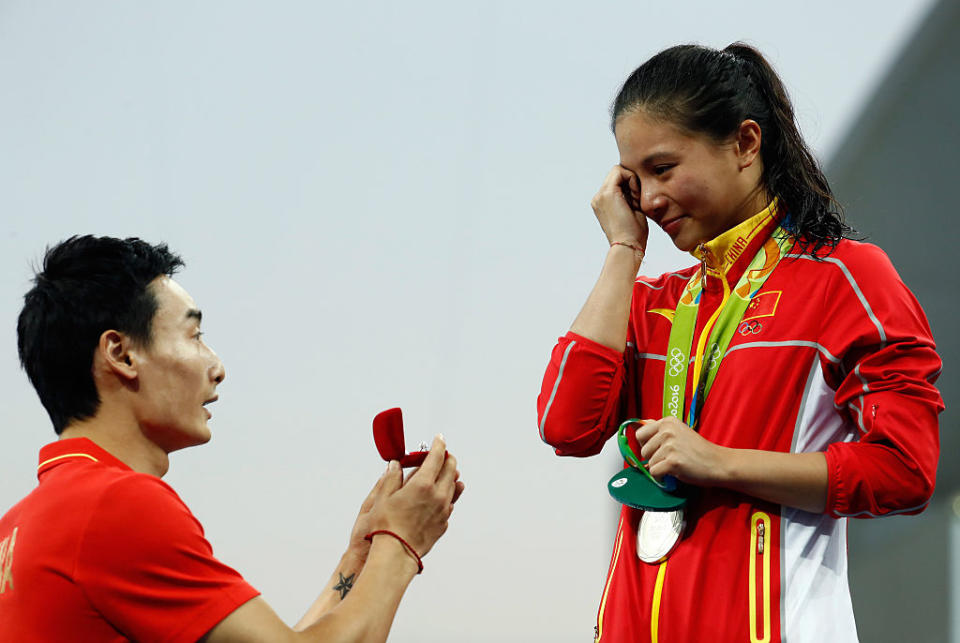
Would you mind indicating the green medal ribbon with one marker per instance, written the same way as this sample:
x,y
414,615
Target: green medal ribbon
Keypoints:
x,y
719,328
634,486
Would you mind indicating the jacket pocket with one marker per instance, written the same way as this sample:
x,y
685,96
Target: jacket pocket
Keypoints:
x,y
759,579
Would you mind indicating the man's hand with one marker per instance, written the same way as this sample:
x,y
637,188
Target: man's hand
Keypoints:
x,y
358,548
418,509
359,606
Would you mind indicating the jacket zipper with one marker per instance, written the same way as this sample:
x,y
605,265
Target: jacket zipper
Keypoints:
x,y
703,266
759,579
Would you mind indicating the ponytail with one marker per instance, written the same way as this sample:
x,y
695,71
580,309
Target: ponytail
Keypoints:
x,y
712,92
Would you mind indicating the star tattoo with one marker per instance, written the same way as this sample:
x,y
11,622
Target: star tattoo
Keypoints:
x,y
344,586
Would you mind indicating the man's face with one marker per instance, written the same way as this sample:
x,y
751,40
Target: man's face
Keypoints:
x,y
177,374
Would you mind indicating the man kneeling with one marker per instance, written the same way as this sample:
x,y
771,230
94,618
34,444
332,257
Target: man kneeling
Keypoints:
x,y
102,549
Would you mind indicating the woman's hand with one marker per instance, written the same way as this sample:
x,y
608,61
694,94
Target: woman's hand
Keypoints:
x,y
615,205
671,447
792,479
604,316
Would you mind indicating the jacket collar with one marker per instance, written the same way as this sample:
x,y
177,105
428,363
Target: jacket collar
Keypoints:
x,y
729,254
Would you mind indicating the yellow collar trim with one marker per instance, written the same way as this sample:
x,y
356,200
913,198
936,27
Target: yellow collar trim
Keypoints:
x,y
722,251
66,455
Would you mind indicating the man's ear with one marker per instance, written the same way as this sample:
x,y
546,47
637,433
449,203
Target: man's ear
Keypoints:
x,y
749,138
114,350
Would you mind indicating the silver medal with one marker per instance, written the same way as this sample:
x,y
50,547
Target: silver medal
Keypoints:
x,y
658,533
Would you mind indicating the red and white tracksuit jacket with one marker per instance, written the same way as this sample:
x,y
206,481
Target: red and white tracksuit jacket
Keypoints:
x,y
834,355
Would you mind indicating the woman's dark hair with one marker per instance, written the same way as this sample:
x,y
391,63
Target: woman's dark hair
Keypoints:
x,y
711,92
88,285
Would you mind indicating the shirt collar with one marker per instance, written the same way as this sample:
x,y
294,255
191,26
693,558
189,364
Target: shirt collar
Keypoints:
x,y
722,252
72,450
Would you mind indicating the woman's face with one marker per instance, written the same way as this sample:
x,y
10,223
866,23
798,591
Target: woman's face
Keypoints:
x,y
691,186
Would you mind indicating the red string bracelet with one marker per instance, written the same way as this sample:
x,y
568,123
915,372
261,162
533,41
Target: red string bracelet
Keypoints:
x,y
406,545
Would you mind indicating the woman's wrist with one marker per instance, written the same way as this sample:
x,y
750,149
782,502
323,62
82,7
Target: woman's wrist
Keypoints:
x,y
629,242
726,469
632,247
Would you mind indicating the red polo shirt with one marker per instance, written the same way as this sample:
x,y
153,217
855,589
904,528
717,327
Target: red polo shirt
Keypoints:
x,y
99,552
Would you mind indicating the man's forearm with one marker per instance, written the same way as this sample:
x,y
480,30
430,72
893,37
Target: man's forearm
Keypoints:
x,y
364,611
336,590
364,615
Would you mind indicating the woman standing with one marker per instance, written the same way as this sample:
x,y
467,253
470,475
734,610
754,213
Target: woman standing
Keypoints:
x,y
788,375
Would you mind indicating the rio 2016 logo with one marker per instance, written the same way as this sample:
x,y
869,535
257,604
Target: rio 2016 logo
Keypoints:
x,y
674,405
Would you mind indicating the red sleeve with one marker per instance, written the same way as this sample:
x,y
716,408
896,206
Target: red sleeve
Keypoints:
x,y
885,383
145,565
579,396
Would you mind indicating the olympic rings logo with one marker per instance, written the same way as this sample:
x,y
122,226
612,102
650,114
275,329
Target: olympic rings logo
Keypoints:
x,y
714,356
677,361
751,327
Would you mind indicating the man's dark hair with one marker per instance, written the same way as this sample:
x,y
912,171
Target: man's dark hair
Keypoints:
x,y
88,285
